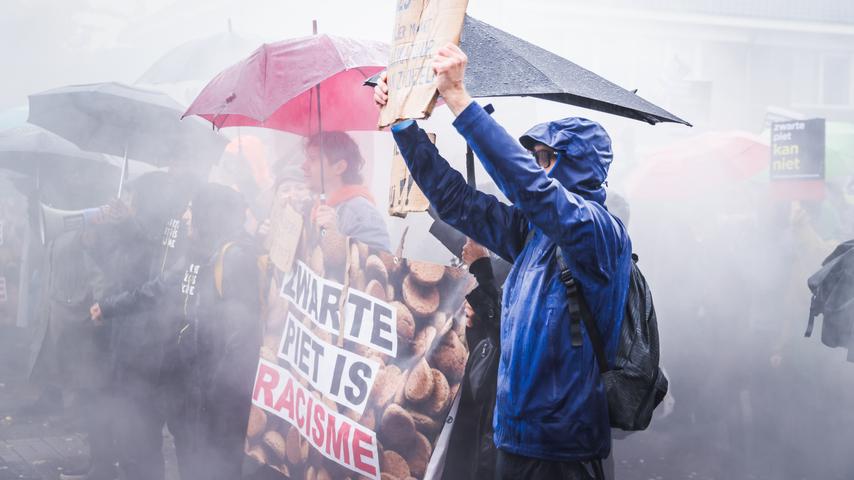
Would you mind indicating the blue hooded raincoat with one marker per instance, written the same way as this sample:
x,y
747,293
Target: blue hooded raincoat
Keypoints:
x,y
551,402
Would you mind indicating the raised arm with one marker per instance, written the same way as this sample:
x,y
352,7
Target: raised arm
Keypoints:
x,y
593,239
498,227
143,298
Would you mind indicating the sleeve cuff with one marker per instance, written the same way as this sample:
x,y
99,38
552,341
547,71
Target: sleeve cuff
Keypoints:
x,y
402,125
469,117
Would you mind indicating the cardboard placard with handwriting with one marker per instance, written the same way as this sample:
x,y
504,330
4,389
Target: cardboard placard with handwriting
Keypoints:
x,y
285,229
404,195
421,28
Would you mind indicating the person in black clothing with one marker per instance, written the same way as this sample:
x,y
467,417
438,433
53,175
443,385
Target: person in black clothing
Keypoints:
x,y
224,323
471,450
215,289
143,244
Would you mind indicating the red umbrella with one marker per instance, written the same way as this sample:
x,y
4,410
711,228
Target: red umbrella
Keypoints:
x,y
304,86
699,165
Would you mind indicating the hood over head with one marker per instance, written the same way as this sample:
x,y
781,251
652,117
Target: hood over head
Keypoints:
x,y
584,154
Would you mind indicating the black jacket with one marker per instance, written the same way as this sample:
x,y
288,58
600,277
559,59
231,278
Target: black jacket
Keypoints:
x,y
471,450
215,348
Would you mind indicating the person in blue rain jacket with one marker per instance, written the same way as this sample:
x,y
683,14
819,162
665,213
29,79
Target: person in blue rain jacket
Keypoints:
x,y
551,414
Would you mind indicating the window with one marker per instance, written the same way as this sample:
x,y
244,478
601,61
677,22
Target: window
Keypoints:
x,y
836,80
806,71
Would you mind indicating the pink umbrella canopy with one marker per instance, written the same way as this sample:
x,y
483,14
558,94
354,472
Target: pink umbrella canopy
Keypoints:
x,y
278,87
700,165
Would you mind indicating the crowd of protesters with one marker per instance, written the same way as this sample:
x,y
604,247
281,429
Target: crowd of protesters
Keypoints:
x,y
153,316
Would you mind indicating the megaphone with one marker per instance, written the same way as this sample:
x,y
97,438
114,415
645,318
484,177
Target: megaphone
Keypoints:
x,y
53,222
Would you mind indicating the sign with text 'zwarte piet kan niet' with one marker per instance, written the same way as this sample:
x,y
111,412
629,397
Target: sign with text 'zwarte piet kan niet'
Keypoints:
x,y
797,149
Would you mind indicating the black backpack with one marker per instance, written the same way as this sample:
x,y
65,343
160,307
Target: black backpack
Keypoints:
x,y
636,384
833,297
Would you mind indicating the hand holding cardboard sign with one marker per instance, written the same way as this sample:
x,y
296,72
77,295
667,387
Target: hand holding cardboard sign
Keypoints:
x,y
420,28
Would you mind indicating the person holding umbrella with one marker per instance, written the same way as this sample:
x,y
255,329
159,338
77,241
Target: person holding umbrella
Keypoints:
x,y
310,86
551,414
334,164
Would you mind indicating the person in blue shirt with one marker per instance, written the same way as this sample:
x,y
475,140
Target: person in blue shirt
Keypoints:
x,y
551,413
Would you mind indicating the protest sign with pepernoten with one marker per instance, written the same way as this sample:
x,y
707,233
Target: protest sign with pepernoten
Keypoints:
x,y
362,359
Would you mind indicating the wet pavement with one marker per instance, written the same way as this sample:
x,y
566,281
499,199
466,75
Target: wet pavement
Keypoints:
x,y
31,447
39,446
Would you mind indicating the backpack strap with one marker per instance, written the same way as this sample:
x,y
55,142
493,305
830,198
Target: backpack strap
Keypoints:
x,y
218,267
579,312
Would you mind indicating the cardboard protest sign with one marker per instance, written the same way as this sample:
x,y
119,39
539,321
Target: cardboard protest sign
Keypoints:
x,y
421,27
404,194
285,230
360,366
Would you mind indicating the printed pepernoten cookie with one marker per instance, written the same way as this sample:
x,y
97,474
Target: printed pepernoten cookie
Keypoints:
x,y
257,422
423,341
426,424
419,385
275,444
297,448
450,357
438,399
397,427
422,300
394,464
375,269
376,290
334,247
405,324
425,273
385,385
418,455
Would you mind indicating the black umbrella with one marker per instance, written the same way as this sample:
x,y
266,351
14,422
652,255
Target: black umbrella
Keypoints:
x,y
30,149
127,121
502,65
42,155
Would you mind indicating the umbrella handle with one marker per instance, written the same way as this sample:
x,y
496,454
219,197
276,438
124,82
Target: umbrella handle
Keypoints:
x,y
470,177
322,153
